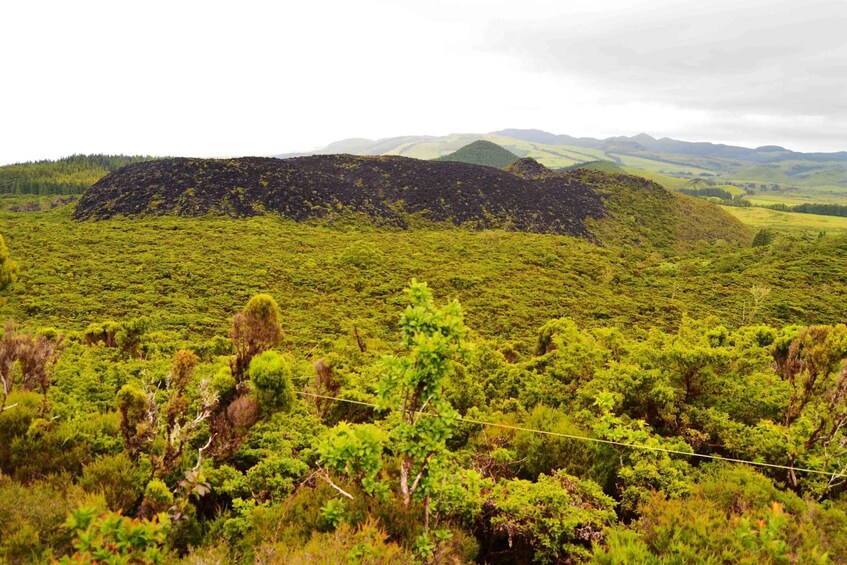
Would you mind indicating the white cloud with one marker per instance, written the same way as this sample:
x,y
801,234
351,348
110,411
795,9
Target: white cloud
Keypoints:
x,y
213,78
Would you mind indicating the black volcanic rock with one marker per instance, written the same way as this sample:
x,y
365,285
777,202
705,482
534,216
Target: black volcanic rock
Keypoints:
x,y
598,205
386,189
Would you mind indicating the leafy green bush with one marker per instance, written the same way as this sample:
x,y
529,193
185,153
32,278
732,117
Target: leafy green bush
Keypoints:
x,y
763,237
545,453
224,385
275,477
362,255
8,268
366,544
157,498
270,375
112,539
136,427
31,517
117,478
254,330
555,518
22,409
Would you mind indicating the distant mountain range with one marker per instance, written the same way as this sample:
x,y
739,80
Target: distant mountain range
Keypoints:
x,y
768,165
636,143
644,142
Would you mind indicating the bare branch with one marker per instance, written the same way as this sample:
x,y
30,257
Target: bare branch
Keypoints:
x,y
325,476
421,410
421,472
200,453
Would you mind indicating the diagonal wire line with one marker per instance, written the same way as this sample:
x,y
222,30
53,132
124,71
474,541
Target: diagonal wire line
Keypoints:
x,y
605,441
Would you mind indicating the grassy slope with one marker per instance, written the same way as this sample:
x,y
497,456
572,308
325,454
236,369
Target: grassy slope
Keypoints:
x,y
482,152
669,182
730,188
560,156
10,202
655,166
650,216
797,195
714,223
604,166
432,149
758,218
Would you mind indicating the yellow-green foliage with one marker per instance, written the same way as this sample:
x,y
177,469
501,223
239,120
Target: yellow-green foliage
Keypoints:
x,y
653,218
157,497
8,268
701,351
367,544
193,280
557,517
117,478
31,518
713,222
734,515
270,375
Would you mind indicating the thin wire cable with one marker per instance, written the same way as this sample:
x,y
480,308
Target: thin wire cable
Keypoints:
x,y
605,441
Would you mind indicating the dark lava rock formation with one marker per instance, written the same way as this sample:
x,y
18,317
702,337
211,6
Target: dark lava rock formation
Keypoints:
x,y
389,190
393,191
528,168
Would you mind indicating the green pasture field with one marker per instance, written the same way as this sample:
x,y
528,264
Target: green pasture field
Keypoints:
x,y
790,222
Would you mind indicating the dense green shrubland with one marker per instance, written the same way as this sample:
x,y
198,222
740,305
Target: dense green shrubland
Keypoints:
x,y
186,277
182,402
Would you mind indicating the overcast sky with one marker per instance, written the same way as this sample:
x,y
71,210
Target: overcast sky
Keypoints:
x,y
257,78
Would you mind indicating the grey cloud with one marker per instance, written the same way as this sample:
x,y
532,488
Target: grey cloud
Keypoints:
x,y
767,58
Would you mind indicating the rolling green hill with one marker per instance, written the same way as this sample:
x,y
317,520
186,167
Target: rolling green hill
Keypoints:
x,y
482,153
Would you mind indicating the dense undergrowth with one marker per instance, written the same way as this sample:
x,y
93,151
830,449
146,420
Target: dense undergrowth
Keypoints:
x,y
188,275
167,377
